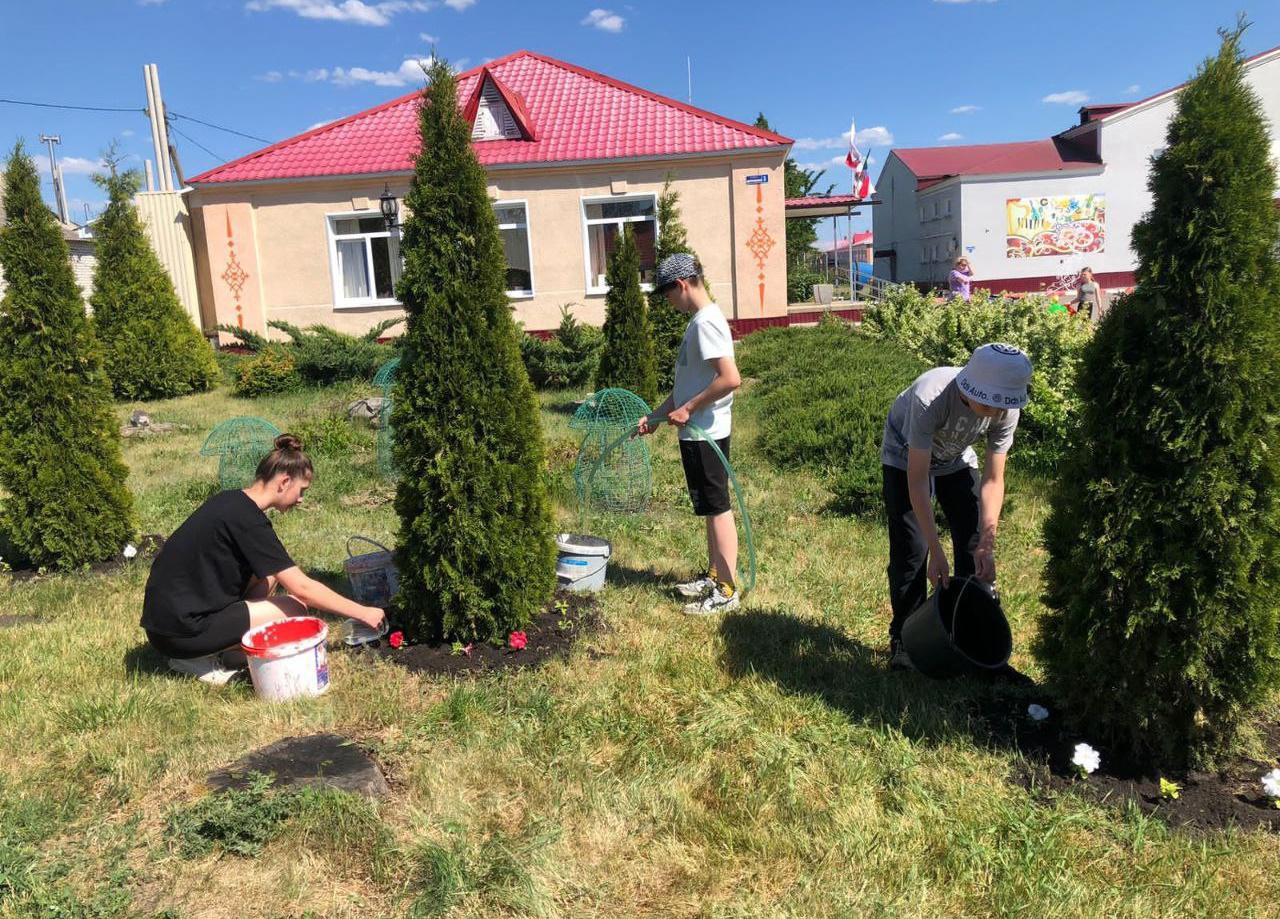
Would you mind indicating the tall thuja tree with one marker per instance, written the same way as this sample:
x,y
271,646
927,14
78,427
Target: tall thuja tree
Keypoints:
x,y
151,349
627,361
63,501
1164,536
476,553
666,323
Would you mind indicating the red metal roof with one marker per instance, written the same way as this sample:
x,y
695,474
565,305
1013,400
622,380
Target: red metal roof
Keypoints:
x,y
931,165
579,115
817,200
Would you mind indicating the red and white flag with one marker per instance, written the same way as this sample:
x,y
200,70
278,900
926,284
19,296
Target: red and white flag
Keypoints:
x,y
853,159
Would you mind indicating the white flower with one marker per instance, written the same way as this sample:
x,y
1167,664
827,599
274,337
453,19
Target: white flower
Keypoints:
x,y
1086,758
130,550
1037,712
1271,784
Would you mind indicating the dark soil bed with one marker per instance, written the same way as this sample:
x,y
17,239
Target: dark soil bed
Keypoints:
x,y
567,619
1232,796
148,546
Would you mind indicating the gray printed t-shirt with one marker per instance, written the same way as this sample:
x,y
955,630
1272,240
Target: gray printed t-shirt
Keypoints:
x,y
929,415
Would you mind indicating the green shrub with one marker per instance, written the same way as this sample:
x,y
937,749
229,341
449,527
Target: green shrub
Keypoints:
x,y
945,334
800,281
325,356
235,821
1164,539
569,359
333,436
627,359
825,394
151,348
62,478
270,371
476,553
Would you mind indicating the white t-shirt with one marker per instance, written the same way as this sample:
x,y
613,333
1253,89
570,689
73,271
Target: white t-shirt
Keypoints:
x,y
707,338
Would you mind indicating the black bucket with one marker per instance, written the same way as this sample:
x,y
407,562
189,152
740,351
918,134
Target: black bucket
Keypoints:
x,y
959,629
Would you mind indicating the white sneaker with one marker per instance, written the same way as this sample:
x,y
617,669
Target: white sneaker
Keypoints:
x,y
206,669
718,601
696,589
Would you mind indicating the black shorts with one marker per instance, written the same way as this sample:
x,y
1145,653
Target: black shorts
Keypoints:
x,y
707,478
218,632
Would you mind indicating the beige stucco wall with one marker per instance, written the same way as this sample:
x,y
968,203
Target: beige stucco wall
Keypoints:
x,y
285,226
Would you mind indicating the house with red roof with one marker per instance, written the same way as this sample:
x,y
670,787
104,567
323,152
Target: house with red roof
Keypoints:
x,y
294,231
1031,215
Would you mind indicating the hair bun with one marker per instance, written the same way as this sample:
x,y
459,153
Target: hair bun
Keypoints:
x,y
289,442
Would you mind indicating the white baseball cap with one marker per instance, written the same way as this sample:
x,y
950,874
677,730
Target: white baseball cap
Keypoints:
x,y
996,375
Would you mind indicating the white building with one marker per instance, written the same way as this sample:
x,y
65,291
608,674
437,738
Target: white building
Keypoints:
x,y
1030,215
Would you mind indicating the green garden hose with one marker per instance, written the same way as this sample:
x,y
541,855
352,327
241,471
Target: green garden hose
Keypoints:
x,y
747,578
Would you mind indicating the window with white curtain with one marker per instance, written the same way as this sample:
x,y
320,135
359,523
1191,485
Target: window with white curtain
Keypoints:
x,y
513,226
604,220
366,261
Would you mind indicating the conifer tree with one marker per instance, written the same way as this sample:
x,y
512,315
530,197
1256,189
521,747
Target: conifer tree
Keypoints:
x,y
476,554
151,349
1164,536
627,361
63,500
665,321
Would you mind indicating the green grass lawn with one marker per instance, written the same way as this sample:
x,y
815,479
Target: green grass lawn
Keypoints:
x,y
766,764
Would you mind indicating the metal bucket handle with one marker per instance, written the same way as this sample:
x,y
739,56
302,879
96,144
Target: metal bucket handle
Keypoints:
x,y
371,542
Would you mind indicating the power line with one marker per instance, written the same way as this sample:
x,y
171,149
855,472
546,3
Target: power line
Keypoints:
x,y
188,138
218,127
78,108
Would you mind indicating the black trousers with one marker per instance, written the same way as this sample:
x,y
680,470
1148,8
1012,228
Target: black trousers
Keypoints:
x,y
957,493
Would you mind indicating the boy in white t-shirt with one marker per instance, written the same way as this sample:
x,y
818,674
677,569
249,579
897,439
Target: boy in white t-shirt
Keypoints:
x,y
706,377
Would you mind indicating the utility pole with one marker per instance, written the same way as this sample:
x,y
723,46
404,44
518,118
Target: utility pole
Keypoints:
x,y
59,190
159,126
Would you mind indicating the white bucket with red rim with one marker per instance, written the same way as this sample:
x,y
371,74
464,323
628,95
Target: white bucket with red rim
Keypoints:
x,y
288,658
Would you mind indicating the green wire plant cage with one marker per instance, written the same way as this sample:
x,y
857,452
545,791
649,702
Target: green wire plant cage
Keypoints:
x,y
385,379
240,444
613,472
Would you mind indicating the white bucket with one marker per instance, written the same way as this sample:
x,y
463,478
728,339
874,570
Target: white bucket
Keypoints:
x,y
583,562
287,658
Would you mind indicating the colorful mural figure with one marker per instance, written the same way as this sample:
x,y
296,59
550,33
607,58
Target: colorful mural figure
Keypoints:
x,y
1061,225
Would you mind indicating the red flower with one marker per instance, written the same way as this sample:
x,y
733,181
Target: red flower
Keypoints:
x,y
395,639
517,641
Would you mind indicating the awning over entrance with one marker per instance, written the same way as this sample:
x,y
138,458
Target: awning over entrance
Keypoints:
x,y
825,206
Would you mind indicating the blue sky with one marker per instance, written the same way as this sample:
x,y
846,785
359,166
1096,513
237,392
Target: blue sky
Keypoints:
x,y
913,72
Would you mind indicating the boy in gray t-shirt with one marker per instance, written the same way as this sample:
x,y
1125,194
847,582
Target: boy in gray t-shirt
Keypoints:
x,y
928,441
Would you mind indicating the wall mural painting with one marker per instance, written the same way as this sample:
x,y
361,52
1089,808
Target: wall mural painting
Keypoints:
x,y
1056,225
234,276
760,242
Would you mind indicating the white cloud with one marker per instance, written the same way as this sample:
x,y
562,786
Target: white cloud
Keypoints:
x,y
966,109
127,132
429,39
950,137
351,11
271,76
1069,97
1133,90
878,136
150,2
605,20
71,165
459,5
409,73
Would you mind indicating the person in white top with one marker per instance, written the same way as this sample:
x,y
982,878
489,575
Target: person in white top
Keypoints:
x,y
705,380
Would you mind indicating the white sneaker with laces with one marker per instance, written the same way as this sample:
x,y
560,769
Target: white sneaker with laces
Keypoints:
x,y
206,669
719,600
696,589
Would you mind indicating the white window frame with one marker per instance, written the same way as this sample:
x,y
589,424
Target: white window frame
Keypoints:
x,y
528,239
335,271
587,223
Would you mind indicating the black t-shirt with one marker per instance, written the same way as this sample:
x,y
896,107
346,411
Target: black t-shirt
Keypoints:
x,y
208,562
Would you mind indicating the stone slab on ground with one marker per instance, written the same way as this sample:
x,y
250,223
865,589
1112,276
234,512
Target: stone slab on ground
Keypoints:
x,y
328,760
